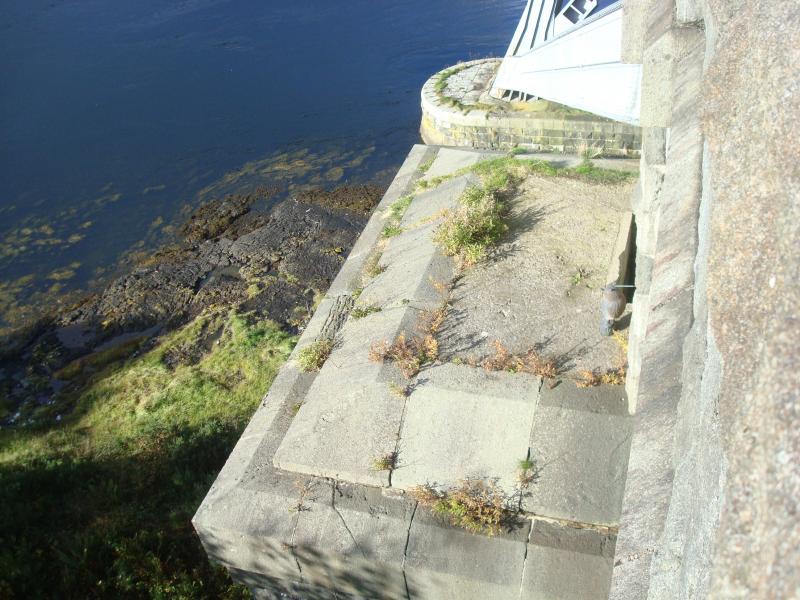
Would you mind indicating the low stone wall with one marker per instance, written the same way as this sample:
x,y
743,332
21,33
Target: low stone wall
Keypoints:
x,y
446,125
713,479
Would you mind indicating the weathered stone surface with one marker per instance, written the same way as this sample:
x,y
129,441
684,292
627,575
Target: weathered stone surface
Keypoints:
x,y
751,104
650,469
340,432
452,564
462,423
299,510
581,460
355,542
449,161
565,563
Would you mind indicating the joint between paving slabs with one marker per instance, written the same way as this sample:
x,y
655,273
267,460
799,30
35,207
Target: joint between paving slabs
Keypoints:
x,y
525,560
405,548
334,489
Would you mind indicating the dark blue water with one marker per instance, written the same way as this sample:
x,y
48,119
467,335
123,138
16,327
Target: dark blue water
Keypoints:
x,y
115,114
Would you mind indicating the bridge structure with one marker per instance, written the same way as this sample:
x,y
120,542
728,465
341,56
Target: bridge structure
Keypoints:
x,y
570,52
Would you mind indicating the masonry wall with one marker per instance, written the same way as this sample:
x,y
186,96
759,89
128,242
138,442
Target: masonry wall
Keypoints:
x,y
445,125
711,499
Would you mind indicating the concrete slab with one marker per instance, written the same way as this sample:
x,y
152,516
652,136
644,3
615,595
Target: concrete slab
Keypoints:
x,y
604,399
429,204
452,564
355,543
581,460
567,563
461,423
341,429
412,264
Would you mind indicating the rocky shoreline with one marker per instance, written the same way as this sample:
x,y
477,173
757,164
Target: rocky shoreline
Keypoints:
x,y
272,264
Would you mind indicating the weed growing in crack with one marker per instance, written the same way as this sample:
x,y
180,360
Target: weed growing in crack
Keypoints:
x,y
373,268
387,462
359,312
473,504
399,207
313,356
391,230
399,390
527,473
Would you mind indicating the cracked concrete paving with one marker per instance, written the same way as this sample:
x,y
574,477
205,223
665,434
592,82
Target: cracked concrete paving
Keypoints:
x,y
299,511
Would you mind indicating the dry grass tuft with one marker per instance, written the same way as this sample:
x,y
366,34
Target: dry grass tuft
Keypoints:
x,y
532,362
431,320
399,390
474,505
408,354
613,376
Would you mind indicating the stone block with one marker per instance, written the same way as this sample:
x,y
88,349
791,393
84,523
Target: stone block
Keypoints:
x,y
339,431
354,543
657,70
581,460
565,563
446,563
464,423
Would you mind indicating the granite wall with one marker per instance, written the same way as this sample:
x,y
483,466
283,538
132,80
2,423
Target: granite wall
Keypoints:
x,y
711,499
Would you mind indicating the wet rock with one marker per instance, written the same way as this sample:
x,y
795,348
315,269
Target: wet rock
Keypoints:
x,y
272,264
211,219
360,199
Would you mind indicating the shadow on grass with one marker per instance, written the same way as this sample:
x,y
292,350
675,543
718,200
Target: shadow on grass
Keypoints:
x,y
115,526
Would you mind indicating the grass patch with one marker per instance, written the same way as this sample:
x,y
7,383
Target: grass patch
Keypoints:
x,y
391,230
587,171
96,361
425,167
474,505
440,86
399,207
359,312
313,356
100,505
